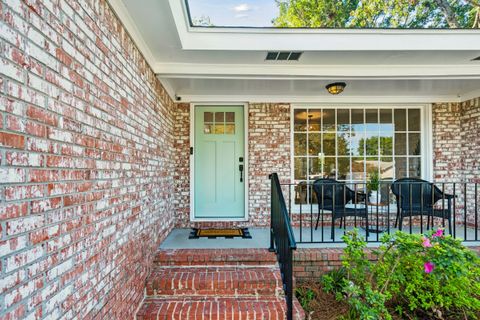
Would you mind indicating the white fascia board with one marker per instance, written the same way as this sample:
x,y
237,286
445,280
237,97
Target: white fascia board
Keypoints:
x,y
320,99
310,72
271,39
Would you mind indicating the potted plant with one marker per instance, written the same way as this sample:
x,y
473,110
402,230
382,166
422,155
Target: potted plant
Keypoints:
x,y
373,186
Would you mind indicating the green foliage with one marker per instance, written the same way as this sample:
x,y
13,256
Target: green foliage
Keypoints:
x,y
334,281
428,276
304,296
378,13
371,146
374,181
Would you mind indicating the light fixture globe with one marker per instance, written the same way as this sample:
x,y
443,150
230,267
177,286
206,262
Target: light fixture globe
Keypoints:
x,y
336,87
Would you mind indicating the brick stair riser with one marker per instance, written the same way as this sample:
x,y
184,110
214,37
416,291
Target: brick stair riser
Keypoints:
x,y
230,282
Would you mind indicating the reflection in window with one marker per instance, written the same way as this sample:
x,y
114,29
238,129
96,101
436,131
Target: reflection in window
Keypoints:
x,y
348,144
219,122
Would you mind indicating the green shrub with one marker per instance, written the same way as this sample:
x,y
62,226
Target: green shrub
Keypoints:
x,y
304,296
428,276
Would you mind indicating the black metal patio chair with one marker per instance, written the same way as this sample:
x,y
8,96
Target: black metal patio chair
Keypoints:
x,y
417,197
333,196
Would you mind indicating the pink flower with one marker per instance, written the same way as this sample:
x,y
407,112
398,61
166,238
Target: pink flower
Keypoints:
x,y
429,266
439,233
426,243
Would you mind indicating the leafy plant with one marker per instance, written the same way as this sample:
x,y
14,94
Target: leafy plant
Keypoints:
x,y
429,276
304,296
335,280
374,181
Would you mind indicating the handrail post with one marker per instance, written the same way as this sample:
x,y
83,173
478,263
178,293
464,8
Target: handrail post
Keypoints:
x,y
272,243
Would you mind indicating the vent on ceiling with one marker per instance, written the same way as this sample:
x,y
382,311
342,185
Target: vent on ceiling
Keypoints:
x,y
283,56
476,59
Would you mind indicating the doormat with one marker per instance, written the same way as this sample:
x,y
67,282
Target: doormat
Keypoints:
x,y
214,233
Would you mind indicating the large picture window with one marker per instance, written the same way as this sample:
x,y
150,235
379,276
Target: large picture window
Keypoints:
x,y
349,144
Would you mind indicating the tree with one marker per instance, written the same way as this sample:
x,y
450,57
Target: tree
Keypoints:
x,y
378,13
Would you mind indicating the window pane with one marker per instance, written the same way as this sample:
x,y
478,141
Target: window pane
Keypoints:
x,y
343,144
208,117
300,168
371,144
343,120
414,169
356,143
329,144
328,119
301,192
230,116
386,122
414,120
386,168
314,144
315,167
358,169
219,128
357,121
329,167
230,128
300,120
400,167
300,144
400,116
414,144
371,119
207,128
400,143
386,143
219,117
343,168
314,119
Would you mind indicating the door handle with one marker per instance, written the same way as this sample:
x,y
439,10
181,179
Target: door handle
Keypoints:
x,y
240,167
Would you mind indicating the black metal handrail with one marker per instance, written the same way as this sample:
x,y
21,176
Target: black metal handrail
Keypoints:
x,y
412,206
282,240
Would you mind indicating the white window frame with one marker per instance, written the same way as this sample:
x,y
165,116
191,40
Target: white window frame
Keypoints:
x,y
426,138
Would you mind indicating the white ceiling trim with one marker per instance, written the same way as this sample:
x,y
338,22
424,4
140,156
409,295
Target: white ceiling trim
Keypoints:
x,y
264,39
315,72
127,21
319,99
470,95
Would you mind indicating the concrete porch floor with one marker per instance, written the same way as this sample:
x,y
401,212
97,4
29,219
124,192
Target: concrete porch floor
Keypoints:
x,y
178,239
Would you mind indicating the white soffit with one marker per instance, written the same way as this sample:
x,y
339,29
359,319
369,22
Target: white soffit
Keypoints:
x,y
183,57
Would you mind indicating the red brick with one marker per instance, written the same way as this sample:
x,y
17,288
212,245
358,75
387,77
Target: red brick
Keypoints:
x,y
12,140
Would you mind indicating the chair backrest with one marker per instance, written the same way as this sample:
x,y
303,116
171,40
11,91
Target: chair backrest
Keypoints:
x,y
415,194
330,190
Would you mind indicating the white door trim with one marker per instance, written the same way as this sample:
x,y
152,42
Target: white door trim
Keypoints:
x,y
192,159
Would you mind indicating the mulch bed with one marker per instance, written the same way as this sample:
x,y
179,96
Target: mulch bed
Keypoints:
x,y
324,306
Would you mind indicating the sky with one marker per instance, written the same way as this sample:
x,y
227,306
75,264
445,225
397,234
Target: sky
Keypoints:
x,y
252,13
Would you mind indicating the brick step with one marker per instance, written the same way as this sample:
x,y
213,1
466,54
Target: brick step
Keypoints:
x,y
215,257
224,281
216,308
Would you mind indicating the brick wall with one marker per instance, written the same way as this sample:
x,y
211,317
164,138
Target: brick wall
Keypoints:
x,y
86,154
312,263
456,145
182,162
456,141
268,151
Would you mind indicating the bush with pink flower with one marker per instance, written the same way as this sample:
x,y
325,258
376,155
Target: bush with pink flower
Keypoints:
x,y
430,276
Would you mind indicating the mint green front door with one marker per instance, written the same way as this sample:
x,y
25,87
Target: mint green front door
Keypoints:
x,y
219,165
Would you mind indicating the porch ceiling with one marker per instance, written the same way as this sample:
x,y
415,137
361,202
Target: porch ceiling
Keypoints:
x,y
357,91
416,65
